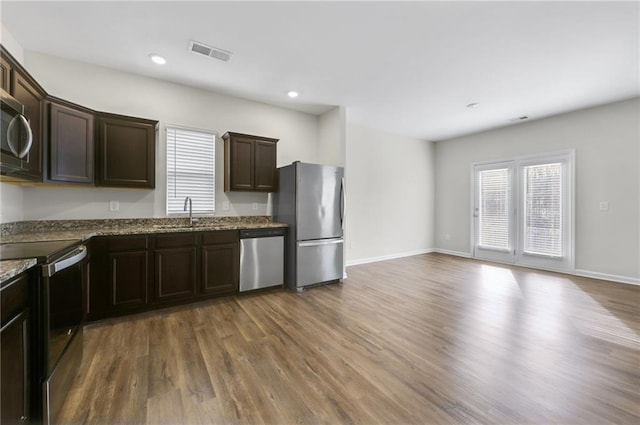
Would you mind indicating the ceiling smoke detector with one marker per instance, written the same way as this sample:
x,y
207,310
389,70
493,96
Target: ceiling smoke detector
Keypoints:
x,y
205,50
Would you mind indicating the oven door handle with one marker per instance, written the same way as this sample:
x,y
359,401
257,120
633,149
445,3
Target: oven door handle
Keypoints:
x,y
74,257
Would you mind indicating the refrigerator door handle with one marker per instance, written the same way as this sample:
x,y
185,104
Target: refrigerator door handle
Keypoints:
x,y
322,242
343,201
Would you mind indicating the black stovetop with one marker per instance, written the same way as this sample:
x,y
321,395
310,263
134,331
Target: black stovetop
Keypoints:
x,y
44,252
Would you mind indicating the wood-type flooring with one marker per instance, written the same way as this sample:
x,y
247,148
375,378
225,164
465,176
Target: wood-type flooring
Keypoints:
x,y
427,339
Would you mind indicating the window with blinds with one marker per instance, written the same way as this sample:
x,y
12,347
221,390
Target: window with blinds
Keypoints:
x,y
543,209
190,170
493,210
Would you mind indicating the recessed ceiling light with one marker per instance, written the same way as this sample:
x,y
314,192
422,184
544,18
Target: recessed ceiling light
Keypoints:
x,y
293,94
157,59
473,105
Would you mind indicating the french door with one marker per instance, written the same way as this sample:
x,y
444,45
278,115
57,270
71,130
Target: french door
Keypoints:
x,y
522,212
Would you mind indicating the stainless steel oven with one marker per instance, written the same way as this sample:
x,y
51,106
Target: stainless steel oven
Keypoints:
x,y
61,325
57,319
16,137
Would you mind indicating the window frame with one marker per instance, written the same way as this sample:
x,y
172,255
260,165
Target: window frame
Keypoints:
x,y
215,136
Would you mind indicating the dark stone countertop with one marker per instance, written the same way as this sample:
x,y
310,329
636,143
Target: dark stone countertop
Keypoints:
x,y
51,230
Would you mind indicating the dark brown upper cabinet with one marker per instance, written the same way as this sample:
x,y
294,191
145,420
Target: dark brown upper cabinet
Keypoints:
x,y
250,163
126,155
5,74
75,144
19,84
71,143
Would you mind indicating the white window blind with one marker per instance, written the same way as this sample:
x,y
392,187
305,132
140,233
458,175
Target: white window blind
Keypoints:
x,y
190,170
543,209
493,211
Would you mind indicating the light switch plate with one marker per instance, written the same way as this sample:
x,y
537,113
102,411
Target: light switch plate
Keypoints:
x,y
254,206
225,205
604,206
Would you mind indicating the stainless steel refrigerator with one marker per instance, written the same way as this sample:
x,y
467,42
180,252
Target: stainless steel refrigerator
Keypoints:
x,y
310,200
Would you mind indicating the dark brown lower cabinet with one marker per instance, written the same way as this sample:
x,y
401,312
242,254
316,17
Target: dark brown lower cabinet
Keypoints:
x,y
137,273
128,278
118,276
14,347
175,275
220,263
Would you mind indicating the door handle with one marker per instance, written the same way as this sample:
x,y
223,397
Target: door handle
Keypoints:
x,y
321,242
343,200
74,257
21,120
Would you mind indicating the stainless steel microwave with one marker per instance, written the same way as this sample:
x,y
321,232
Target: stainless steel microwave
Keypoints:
x,y
16,136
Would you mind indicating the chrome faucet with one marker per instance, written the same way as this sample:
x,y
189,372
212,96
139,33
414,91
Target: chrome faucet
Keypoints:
x,y
192,220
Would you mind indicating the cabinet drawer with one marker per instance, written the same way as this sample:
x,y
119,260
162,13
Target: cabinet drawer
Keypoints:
x,y
221,236
126,243
14,297
175,240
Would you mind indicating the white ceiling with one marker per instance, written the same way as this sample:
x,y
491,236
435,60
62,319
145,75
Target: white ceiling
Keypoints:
x,y
408,68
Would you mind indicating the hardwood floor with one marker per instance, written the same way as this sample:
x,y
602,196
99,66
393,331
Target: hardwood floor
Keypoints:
x,y
420,340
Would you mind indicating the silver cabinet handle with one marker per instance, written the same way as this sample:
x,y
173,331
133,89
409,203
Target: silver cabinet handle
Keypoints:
x,y
19,120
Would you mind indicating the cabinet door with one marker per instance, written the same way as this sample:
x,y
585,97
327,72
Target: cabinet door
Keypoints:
x,y
220,266
265,166
5,75
242,164
126,152
14,369
71,145
128,278
175,267
26,92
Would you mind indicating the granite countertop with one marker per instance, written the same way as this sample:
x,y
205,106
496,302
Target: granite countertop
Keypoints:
x,y
54,230
35,231
12,268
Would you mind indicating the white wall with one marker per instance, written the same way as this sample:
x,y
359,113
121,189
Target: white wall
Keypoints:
x,y
606,141
108,90
390,194
10,202
331,137
11,44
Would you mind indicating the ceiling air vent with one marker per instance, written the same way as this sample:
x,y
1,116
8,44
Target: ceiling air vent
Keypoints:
x,y
213,52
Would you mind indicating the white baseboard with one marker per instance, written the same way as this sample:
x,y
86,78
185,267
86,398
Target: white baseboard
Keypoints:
x,y
449,252
388,257
607,276
577,272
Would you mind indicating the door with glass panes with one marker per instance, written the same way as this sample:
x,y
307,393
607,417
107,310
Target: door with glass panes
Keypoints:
x,y
522,211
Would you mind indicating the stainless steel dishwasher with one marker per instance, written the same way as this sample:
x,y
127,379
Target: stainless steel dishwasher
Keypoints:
x,y
261,258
